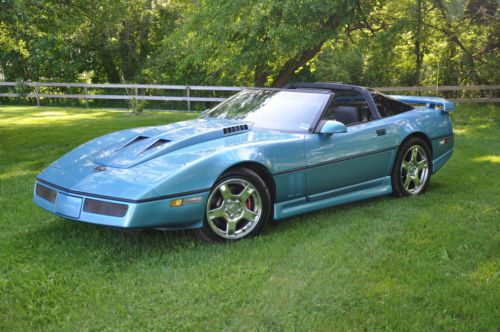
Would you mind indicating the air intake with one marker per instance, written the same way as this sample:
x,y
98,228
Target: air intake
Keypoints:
x,y
235,129
135,140
156,144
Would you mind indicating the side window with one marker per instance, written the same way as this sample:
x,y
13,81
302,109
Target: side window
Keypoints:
x,y
348,107
387,106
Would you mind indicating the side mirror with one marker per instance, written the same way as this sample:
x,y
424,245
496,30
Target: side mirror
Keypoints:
x,y
333,127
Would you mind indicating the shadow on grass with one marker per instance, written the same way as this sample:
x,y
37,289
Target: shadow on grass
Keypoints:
x,y
62,230
86,246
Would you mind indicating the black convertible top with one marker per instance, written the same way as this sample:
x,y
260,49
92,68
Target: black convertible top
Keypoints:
x,y
324,85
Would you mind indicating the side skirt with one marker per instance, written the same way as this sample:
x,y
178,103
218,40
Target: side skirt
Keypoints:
x,y
302,205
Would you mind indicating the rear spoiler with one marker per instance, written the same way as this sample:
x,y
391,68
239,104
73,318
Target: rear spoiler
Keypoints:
x,y
428,102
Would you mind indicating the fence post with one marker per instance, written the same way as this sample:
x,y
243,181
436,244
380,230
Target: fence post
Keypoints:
x,y
188,95
86,97
37,94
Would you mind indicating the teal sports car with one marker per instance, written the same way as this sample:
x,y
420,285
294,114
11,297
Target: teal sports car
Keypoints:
x,y
262,154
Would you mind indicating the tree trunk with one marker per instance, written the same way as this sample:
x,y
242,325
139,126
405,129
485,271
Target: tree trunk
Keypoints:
x,y
293,64
260,76
108,64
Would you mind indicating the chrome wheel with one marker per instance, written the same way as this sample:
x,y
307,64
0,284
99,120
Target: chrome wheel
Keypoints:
x,y
414,169
234,208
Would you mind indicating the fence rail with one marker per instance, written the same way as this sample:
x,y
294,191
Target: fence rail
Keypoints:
x,y
140,90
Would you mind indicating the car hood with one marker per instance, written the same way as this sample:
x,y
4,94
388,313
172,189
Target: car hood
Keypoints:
x,y
144,144
132,162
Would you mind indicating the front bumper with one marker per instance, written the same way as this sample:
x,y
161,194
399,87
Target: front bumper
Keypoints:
x,y
93,209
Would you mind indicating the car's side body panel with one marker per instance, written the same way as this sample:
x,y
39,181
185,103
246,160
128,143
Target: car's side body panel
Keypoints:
x,y
359,155
435,125
360,176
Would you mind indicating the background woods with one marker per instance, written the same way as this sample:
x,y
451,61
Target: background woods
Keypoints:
x,y
262,43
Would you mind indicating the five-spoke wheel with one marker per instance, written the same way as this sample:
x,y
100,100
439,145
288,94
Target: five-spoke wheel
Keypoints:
x,y
237,207
412,168
234,208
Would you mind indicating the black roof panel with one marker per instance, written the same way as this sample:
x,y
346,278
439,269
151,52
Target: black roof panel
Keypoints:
x,y
323,85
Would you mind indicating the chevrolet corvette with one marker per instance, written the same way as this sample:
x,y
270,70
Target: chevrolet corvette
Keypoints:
x,y
261,154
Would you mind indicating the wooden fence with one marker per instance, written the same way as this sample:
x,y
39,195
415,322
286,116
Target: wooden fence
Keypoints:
x,y
183,93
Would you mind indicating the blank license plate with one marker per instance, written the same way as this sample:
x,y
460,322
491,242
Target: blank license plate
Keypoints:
x,y
68,206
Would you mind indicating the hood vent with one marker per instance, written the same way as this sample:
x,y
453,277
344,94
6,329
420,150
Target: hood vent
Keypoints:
x,y
135,140
156,144
235,129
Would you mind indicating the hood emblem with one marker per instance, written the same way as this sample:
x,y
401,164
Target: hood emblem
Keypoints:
x,y
99,169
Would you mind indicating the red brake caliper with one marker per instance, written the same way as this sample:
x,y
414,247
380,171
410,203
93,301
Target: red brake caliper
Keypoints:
x,y
249,203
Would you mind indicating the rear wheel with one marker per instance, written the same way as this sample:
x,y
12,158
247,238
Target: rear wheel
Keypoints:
x,y
412,169
238,206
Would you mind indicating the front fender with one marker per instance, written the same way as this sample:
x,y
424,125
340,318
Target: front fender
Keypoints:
x,y
202,173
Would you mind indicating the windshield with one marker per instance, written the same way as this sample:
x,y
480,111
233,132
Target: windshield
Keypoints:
x,y
272,109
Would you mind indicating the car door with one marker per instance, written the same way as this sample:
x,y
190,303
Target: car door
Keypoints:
x,y
358,159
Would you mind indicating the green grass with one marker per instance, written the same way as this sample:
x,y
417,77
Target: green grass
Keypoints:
x,y
426,263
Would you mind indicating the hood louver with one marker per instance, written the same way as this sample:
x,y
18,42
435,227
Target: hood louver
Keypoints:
x,y
135,140
156,144
235,129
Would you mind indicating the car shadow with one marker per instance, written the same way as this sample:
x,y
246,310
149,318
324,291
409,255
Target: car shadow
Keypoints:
x,y
65,234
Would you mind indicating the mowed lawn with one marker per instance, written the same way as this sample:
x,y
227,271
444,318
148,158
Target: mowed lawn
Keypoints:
x,y
425,263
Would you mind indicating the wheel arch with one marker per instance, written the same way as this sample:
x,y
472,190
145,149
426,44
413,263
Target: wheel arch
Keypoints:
x,y
425,138
262,171
422,136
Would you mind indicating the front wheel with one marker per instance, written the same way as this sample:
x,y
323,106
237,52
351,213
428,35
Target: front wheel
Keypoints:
x,y
238,206
412,169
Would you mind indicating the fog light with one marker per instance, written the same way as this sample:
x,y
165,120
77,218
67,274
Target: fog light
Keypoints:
x,y
105,208
46,193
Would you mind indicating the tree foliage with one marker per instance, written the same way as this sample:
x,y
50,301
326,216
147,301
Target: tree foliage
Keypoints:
x,y
102,41
239,42
262,42
409,42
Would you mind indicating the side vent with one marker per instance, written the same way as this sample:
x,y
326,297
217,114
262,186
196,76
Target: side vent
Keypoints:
x,y
135,140
156,144
235,129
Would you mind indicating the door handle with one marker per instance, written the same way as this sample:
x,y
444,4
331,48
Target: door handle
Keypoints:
x,y
381,132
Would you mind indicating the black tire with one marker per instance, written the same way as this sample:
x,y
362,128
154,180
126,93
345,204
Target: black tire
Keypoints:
x,y
404,177
221,212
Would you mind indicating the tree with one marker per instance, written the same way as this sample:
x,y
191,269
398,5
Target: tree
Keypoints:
x,y
260,43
